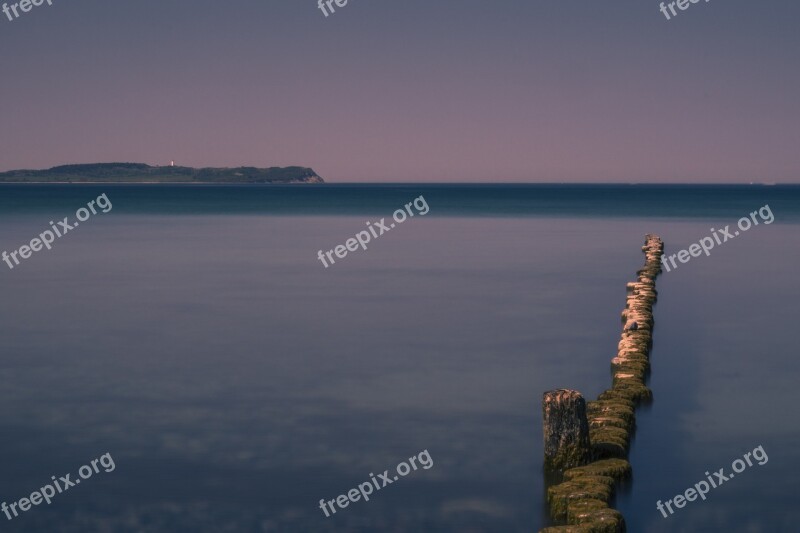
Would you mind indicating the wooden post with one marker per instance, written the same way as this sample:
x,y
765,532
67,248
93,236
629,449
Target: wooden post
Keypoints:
x,y
566,429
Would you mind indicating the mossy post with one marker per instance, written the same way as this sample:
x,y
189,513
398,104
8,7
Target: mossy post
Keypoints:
x,y
566,429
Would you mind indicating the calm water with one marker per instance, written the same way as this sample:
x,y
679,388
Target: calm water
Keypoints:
x,y
192,333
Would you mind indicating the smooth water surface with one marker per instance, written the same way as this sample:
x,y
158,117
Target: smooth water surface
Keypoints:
x,y
192,333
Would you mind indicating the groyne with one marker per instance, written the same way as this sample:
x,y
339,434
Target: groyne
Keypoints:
x,y
586,443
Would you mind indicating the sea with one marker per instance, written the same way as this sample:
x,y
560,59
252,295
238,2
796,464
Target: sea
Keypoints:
x,y
192,334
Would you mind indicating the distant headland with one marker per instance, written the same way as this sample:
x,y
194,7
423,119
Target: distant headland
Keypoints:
x,y
141,173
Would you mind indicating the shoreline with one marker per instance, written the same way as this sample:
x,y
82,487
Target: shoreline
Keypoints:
x,y
156,183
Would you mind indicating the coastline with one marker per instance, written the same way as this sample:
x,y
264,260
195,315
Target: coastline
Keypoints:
x,y
158,183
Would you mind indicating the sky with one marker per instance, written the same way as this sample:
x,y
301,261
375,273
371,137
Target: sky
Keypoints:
x,y
410,90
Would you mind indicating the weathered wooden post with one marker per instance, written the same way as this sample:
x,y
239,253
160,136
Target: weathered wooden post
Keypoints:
x,y
566,429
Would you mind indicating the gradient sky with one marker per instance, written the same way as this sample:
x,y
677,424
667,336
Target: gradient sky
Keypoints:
x,y
410,90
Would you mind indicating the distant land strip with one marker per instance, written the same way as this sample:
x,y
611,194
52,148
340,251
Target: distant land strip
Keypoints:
x,y
142,173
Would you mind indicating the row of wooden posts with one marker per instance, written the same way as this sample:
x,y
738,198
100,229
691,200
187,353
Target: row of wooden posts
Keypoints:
x,y
586,444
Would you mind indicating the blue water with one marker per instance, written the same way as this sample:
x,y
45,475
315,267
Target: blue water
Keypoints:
x,y
192,333
704,201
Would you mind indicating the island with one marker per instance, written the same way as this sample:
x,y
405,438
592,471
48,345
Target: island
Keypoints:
x,y
142,173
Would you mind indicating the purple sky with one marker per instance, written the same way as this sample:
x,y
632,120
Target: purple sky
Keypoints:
x,y
410,90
